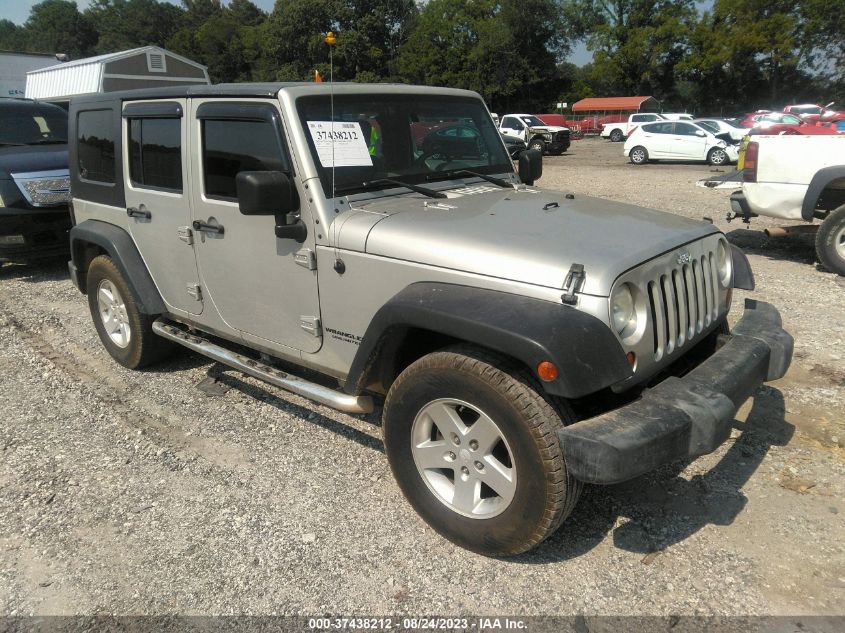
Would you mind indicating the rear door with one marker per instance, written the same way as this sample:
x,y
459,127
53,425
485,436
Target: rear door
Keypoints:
x,y
157,202
656,138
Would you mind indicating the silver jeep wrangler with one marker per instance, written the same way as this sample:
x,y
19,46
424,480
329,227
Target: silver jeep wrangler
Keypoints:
x,y
372,244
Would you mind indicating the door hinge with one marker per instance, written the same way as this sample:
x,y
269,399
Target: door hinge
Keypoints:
x,y
311,325
574,282
306,258
195,291
185,234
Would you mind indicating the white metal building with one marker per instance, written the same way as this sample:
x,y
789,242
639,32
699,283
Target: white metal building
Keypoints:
x,y
13,69
145,67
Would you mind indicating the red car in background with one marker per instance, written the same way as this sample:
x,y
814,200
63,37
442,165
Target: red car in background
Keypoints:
x,y
781,123
815,113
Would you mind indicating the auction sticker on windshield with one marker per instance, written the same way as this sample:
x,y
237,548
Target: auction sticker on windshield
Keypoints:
x,y
340,144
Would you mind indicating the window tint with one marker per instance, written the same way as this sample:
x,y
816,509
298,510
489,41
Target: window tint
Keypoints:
x,y
685,129
155,153
95,145
230,146
659,128
710,126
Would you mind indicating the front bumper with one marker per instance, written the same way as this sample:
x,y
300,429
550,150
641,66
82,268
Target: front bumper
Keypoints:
x,y
681,417
44,231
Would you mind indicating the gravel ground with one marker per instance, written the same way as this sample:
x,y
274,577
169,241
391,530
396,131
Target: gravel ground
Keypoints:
x,y
136,493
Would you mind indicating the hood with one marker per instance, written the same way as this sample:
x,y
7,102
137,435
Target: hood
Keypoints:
x,y
531,236
18,159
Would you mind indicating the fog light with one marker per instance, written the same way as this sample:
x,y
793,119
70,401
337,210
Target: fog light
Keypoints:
x,y
9,240
546,371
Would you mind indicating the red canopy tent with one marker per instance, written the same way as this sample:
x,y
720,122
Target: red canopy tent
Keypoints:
x,y
588,115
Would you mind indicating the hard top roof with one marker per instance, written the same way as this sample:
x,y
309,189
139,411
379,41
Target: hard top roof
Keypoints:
x,y
270,89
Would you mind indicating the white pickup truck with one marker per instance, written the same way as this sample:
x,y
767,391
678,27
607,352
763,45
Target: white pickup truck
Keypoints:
x,y
618,131
796,177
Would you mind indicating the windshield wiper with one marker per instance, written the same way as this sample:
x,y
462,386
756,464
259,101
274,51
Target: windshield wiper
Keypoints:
x,y
48,141
469,172
431,193
11,144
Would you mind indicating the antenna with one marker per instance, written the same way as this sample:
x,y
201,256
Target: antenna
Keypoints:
x,y
331,40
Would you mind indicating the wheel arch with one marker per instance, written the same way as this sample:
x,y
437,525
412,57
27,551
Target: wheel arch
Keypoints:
x,y
820,188
92,238
427,316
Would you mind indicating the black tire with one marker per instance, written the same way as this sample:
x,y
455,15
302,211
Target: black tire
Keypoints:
x,y
544,493
616,135
638,155
537,144
718,157
142,347
830,241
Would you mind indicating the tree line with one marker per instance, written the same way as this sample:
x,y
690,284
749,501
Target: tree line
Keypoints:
x,y
734,56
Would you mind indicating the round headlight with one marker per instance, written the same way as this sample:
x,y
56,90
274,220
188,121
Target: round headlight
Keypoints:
x,y
724,263
623,313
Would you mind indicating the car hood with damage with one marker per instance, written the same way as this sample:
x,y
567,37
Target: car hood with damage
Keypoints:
x,y
531,235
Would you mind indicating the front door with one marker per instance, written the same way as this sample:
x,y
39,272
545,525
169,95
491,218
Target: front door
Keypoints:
x,y
252,278
688,143
157,199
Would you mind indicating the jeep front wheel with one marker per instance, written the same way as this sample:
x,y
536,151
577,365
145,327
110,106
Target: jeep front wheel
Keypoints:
x,y
830,241
475,450
125,332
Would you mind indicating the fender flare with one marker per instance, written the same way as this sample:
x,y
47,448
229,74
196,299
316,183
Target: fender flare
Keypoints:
x,y
587,354
820,180
123,252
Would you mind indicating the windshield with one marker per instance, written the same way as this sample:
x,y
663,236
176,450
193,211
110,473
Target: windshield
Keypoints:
x,y
28,124
533,121
411,138
710,126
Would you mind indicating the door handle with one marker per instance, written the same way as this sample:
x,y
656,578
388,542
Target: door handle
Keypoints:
x,y
139,212
207,228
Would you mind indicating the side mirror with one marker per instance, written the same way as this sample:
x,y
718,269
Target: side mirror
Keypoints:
x,y
530,166
271,193
700,133
265,193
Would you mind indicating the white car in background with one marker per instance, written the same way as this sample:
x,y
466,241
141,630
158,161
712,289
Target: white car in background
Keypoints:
x,y
718,126
678,140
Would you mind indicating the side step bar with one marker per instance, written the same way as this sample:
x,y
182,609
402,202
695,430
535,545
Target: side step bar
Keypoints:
x,y
304,388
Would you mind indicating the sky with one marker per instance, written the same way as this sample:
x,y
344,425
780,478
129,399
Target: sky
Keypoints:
x,y
18,11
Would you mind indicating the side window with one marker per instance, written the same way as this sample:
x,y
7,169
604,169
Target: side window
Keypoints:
x,y
507,122
95,145
685,129
155,153
518,125
660,128
230,146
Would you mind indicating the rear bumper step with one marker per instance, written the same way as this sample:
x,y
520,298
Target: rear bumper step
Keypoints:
x,y
681,417
256,369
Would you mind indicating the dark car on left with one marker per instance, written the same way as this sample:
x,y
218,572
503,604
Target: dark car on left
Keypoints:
x,y
34,181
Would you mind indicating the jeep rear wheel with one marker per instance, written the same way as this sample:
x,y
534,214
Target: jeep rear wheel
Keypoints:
x,y
474,449
830,241
125,333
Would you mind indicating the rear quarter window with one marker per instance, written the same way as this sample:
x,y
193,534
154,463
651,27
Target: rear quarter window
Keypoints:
x,y
95,145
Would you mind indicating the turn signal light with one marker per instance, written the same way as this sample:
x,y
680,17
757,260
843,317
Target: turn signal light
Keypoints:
x,y
632,358
546,371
